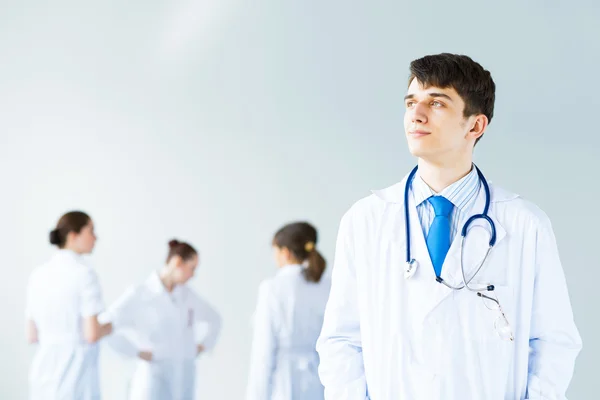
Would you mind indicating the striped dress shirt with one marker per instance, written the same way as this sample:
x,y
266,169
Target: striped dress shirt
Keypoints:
x,y
461,193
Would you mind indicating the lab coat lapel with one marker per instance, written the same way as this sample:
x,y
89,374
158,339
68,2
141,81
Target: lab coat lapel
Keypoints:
x,y
475,244
161,295
423,289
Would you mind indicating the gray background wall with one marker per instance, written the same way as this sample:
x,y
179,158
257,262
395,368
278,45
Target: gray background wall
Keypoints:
x,y
218,121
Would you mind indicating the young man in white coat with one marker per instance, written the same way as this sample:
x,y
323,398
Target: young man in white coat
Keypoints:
x,y
401,329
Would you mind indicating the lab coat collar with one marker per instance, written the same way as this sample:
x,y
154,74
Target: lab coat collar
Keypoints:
x,y
65,254
288,269
155,285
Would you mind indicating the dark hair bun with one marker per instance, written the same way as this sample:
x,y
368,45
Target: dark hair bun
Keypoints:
x,y
181,249
54,237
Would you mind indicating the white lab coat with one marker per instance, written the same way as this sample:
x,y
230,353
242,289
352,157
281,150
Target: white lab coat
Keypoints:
x,y
287,321
149,318
60,294
387,338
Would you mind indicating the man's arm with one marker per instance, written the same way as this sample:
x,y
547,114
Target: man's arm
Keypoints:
x,y
340,348
554,340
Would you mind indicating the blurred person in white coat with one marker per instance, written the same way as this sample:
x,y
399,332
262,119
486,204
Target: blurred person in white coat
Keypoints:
x,y
445,286
63,302
158,323
288,319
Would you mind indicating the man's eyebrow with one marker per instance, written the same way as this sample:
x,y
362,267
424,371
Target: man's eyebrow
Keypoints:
x,y
443,95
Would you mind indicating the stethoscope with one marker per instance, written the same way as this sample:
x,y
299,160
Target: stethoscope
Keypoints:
x,y
412,264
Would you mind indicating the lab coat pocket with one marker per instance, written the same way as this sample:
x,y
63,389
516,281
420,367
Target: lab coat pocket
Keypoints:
x,y
483,319
487,349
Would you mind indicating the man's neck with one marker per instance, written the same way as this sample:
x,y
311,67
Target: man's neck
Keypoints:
x,y
440,176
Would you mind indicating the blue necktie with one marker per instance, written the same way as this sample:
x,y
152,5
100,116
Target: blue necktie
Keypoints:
x,y
438,239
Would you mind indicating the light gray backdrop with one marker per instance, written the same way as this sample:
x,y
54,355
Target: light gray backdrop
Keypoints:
x,y
216,121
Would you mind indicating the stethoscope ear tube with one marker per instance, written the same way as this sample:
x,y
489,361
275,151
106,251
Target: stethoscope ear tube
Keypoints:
x,y
488,219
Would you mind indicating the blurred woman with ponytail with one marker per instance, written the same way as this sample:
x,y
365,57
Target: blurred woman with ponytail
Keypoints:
x,y
288,318
63,302
157,324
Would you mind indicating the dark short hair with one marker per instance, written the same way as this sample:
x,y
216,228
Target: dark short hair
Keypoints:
x,y
471,81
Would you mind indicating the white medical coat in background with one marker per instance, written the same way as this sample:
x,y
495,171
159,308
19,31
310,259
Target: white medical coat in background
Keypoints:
x,y
287,321
149,318
388,338
60,294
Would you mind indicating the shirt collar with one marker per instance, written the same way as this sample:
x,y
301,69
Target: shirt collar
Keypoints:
x,y
395,194
456,192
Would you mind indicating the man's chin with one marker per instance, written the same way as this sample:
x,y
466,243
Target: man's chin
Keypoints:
x,y
418,151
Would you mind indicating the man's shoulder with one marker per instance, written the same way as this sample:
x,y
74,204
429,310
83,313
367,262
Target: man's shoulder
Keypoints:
x,y
366,206
512,206
369,210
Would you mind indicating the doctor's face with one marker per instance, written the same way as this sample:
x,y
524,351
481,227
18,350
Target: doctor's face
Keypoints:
x,y
186,268
436,128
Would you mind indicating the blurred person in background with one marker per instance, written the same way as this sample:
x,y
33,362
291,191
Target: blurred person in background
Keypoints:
x,y
156,323
288,319
64,299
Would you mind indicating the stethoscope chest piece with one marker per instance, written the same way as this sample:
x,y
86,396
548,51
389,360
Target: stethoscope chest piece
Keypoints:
x,y
410,268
